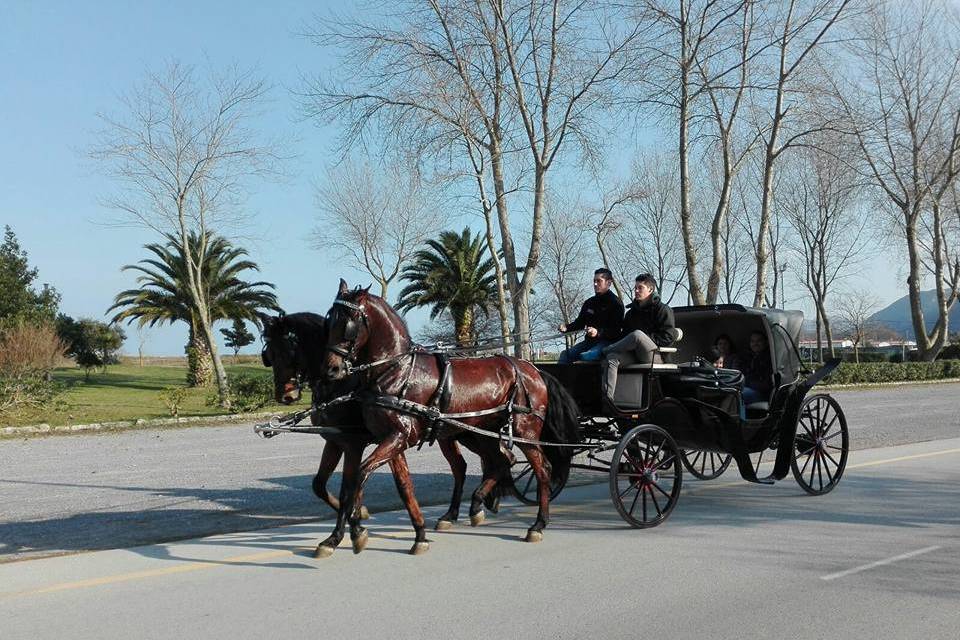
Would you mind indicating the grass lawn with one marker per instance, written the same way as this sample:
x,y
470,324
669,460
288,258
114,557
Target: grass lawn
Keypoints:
x,y
127,392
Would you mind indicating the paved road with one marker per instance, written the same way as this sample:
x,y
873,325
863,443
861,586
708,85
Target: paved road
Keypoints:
x,y
877,558
71,493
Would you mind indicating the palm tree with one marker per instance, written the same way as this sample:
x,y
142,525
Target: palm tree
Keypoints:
x,y
162,296
451,275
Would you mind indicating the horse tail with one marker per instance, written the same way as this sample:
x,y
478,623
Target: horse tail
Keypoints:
x,y
562,425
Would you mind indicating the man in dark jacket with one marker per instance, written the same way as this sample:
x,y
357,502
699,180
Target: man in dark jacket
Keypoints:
x,y
647,325
600,318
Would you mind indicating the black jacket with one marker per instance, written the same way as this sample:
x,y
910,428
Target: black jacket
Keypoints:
x,y
654,318
757,371
603,312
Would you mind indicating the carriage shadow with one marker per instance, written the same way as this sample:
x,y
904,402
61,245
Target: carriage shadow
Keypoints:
x,y
885,502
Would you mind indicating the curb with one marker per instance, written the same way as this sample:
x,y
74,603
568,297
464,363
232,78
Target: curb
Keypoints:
x,y
44,428
897,383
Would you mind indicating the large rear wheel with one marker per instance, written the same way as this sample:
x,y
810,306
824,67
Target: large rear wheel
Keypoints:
x,y
645,476
705,465
821,445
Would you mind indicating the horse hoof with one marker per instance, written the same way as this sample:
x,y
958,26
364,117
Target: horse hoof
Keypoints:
x,y
478,519
323,551
360,542
364,513
534,536
419,548
444,525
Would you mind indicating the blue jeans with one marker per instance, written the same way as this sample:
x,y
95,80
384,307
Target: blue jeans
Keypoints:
x,y
749,396
583,351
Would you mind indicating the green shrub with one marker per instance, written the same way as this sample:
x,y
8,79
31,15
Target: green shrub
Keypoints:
x,y
876,372
249,392
172,398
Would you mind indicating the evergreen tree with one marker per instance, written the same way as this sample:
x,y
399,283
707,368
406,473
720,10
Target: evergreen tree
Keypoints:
x,y
237,337
18,298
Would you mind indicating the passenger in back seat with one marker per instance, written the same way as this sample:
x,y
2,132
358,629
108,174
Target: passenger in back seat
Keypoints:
x,y
757,371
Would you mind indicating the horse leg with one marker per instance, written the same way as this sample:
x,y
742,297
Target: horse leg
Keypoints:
x,y
351,462
494,466
541,469
401,477
458,466
388,449
329,459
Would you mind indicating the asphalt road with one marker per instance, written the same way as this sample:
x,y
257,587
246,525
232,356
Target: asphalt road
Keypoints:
x,y
88,492
876,558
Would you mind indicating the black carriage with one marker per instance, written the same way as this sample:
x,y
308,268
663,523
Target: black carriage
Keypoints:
x,y
682,412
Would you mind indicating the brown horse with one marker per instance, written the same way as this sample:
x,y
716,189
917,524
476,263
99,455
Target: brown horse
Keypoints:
x,y
367,336
293,347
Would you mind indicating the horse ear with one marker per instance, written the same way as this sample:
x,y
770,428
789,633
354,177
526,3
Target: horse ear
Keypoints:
x,y
264,321
367,290
343,287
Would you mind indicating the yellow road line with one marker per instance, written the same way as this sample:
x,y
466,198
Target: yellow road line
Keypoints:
x,y
901,458
266,555
149,573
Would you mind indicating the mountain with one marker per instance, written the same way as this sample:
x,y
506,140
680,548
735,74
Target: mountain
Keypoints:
x,y
897,315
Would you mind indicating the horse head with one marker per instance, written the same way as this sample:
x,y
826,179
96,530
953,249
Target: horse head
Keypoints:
x,y
361,328
284,353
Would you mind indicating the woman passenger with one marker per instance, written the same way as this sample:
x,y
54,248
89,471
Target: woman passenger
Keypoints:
x,y
757,370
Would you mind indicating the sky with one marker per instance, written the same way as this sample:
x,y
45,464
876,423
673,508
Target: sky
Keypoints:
x,y
63,63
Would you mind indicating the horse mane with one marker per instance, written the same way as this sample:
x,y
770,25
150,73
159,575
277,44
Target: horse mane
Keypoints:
x,y
388,308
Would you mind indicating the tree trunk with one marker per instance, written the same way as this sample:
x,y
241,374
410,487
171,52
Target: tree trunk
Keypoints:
x,y
686,223
463,326
199,367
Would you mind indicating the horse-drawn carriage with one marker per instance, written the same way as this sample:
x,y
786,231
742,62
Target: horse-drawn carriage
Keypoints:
x,y
689,414
393,394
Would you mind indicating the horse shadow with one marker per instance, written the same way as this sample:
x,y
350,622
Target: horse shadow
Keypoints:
x,y
164,517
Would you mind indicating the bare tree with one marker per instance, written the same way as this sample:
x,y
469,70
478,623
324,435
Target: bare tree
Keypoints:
x,y
181,152
902,104
525,76
819,200
690,38
801,27
377,219
648,237
854,310
564,265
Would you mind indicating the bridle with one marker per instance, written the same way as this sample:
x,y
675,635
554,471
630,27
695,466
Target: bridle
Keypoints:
x,y
351,332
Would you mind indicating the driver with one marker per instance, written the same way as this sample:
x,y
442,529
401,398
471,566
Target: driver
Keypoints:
x,y
600,318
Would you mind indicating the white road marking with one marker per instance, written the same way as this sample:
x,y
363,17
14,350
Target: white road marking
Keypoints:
x,y
880,563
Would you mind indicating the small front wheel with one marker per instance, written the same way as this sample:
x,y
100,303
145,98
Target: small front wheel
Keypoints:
x,y
705,465
525,483
645,476
821,445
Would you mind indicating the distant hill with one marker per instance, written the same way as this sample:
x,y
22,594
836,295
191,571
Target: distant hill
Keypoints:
x,y
897,315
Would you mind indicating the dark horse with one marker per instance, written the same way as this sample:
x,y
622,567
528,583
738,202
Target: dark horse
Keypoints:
x,y
293,347
367,334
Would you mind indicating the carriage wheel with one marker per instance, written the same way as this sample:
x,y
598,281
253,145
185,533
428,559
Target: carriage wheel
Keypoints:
x,y
821,446
705,465
525,483
645,476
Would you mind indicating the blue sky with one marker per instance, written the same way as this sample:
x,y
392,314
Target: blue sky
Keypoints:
x,y
62,63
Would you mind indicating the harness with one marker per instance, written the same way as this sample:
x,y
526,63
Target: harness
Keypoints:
x,y
434,412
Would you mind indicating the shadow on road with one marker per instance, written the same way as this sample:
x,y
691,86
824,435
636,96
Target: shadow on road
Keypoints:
x,y
150,514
